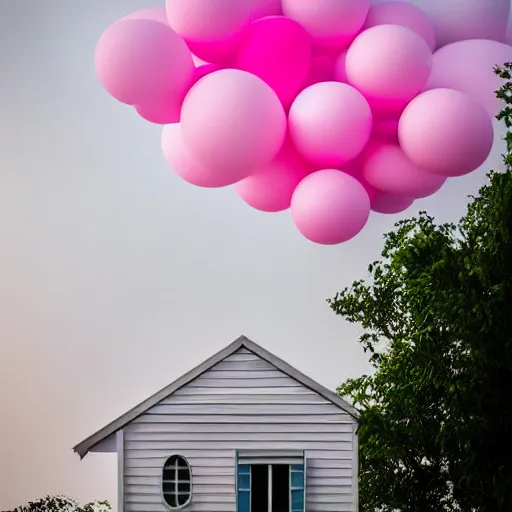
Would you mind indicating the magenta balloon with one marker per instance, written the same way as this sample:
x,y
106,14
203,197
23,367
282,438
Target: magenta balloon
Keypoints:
x,y
467,66
277,50
446,132
205,69
271,187
212,29
330,123
405,15
139,59
321,70
331,23
262,8
459,20
389,203
184,164
387,169
390,65
231,118
386,129
330,207
339,73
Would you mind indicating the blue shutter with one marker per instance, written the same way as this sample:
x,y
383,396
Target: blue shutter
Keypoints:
x,y
297,487
244,488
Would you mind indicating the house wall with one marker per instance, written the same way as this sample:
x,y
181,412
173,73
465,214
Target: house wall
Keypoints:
x,y
241,403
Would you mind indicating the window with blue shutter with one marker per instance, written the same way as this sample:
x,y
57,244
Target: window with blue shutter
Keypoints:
x,y
297,487
244,488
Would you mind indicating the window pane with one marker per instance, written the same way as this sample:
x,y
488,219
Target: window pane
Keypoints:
x,y
297,479
297,501
244,501
297,467
184,475
169,487
182,499
244,469
244,482
183,487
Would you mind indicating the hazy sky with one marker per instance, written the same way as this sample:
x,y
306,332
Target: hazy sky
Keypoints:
x,y
116,277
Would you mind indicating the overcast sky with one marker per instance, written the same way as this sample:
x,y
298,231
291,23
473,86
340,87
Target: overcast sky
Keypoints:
x,y
116,277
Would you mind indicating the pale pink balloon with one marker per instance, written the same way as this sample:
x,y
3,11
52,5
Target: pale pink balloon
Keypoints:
x,y
446,132
330,123
155,14
184,164
390,65
459,20
339,73
212,29
139,59
231,118
270,188
405,15
468,66
387,169
331,23
278,50
262,8
390,204
321,70
330,207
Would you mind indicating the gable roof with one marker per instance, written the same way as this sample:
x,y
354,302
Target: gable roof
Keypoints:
x,y
242,342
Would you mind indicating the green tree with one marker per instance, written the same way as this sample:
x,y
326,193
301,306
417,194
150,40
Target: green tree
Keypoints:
x,y
436,309
63,504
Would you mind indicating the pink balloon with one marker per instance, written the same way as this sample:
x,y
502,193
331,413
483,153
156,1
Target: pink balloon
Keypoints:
x,y
390,65
233,119
184,164
405,15
262,8
331,23
212,29
160,111
467,66
390,204
321,70
271,187
138,59
380,202
387,169
330,207
339,73
446,132
459,20
330,123
277,50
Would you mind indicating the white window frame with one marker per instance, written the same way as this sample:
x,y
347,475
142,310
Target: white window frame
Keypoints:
x,y
176,480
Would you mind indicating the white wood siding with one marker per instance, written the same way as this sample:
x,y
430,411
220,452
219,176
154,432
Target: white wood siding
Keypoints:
x,y
241,403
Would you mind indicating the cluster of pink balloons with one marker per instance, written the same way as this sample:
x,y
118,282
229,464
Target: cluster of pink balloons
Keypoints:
x,y
332,108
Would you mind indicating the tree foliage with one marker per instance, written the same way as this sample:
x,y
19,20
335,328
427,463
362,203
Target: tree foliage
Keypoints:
x,y
436,414
63,504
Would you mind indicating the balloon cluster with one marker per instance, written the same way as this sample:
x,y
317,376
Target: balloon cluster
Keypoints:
x,y
331,108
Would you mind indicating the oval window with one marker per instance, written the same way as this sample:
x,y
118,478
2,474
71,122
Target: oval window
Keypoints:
x,y
176,482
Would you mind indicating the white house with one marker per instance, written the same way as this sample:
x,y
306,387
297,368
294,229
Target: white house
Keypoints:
x,y
241,432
